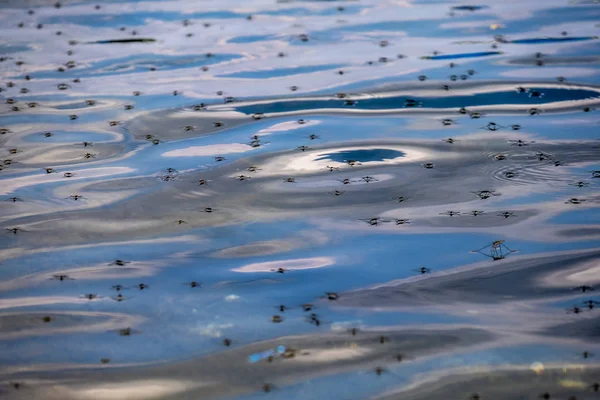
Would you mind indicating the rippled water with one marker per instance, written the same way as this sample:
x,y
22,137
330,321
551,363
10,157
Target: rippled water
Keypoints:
x,y
239,199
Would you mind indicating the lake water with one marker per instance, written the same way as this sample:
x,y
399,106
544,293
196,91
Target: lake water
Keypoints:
x,y
299,199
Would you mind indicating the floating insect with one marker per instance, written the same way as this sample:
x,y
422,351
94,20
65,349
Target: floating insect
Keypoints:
x,y
89,296
500,157
507,214
61,277
373,221
574,310
290,180
331,169
127,331
332,296
253,168
451,213
219,158
119,298
591,304
280,270
584,288
338,193
209,210
402,221
14,199
497,250
307,307
15,230
142,286
353,331
267,387
203,182
575,200
450,140
302,148
242,177
282,308
594,387
314,319
380,370
369,179
534,111
180,222
520,142
87,144
400,199
492,126
352,163
475,213
448,122
383,339
76,197
543,156
422,270
276,319
428,165
586,354
193,284
485,194
118,288
475,115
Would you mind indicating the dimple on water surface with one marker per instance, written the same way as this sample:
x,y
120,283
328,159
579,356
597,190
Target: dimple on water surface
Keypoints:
x,y
296,199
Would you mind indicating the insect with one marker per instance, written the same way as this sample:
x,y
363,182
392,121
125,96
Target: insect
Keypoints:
x,y
338,193
14,199
282,308
114,123
368,179
584,288
219,158
188,128
520,143
128,107
280,270
412,103
574,200
61,277
534,111
500,157
400,199
507,214
142,286
73,117
496,250
203,182
595,174
485,194
193,284
492,126
352,163
156,141
119,298
586,354
591,304
380,370
475,115
199,107
76,197
451,213
422,270
594,387
448,122
383,339
543,156
87,144
574,310
180,222
227,342
428,165
450,140
307,307
331,169
209,209
302,148
373,221
15,230
515,127
253,168
47,319
276,319
402,221
242,177
118,288
267,387
89,296
127,331
290,180
353,331
476,213
422,78
314,319
332,296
